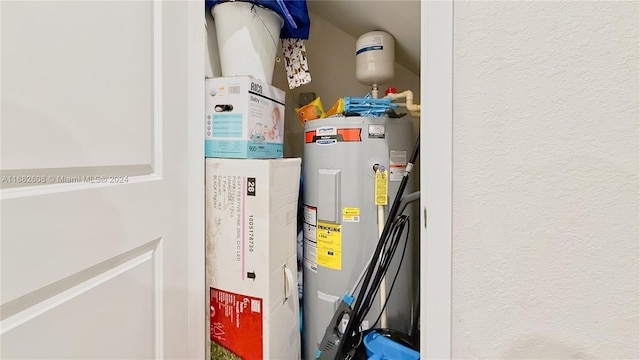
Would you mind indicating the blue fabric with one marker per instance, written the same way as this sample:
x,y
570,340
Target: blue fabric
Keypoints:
x,y
293,12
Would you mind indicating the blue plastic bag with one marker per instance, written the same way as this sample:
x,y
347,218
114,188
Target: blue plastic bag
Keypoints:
x,y
382,348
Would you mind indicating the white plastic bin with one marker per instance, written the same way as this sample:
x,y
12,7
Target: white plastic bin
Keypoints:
x,y
248,37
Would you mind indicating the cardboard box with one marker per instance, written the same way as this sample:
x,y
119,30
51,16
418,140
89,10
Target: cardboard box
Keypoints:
x,y
251,211
244,118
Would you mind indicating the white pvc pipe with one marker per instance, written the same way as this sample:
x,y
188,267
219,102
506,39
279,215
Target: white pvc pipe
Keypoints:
x,y
414,109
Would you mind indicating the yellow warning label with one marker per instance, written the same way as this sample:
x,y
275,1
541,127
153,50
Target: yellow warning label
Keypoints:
x,y
382,181
351,214
329,241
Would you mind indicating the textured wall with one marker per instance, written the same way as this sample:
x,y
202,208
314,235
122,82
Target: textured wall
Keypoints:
x,y
546,180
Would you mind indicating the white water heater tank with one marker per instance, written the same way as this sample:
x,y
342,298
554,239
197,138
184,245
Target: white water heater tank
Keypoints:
x,y
341,222
375,58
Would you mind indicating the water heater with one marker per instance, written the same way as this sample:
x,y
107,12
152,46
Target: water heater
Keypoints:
x,y
340,216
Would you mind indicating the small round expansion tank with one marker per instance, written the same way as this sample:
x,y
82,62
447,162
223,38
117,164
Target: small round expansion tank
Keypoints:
x,y
375,58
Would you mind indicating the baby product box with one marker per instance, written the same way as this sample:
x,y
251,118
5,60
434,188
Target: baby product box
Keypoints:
x,y
244,118
251,272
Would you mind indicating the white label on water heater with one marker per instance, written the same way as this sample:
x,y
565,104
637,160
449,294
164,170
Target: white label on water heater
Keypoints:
x,y
310,242
310,256
397,164
376,131
326,131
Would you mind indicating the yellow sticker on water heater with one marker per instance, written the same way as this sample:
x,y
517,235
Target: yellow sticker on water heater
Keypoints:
x,y
329,242
350,214
382,184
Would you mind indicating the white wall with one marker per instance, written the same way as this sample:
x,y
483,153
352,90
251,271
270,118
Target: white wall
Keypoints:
x,y
546,180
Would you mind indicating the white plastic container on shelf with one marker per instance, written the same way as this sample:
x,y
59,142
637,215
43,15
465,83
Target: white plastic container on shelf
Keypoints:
x,y
248,37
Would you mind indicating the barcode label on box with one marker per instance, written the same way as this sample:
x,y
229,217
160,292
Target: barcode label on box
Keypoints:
x,y
255,306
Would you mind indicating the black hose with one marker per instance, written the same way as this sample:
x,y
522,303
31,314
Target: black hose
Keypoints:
x,y
391,244
355,321
403,221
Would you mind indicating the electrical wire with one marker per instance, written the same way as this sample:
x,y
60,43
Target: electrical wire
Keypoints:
x,y
406,200
346,345
356,286
390,245
407,222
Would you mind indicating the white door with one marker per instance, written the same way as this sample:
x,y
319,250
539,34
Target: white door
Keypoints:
x,y
101,214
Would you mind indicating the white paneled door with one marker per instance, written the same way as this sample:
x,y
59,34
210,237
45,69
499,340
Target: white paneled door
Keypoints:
x,y
97,217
